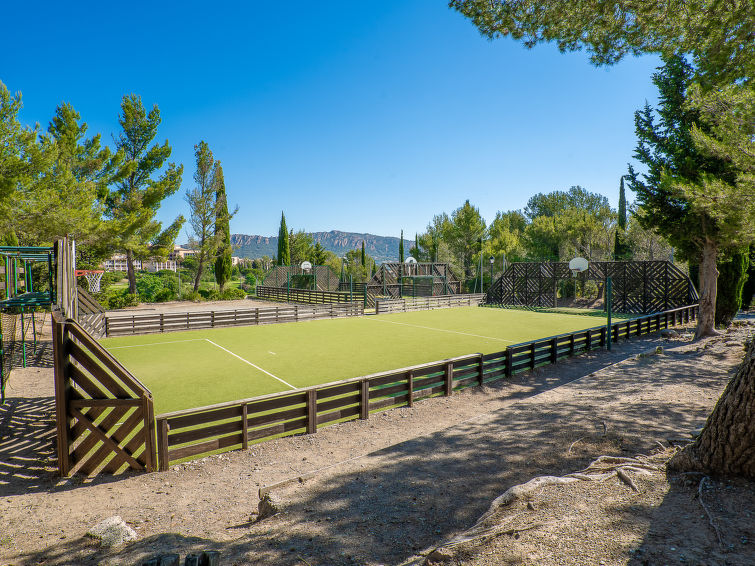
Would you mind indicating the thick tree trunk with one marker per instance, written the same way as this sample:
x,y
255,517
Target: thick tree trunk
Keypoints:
x,y
200,269
726,445
131,273
708,286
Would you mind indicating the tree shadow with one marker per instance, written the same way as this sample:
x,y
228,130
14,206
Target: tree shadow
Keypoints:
x,y
390,504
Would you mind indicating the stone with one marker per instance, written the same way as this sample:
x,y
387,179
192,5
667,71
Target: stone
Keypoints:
x,y
268,506
113,531
669,333
440,555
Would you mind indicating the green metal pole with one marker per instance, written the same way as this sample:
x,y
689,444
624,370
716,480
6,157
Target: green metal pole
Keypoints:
x,y
365,295
609,297
288,286
351,288
34,330
23,339
49,274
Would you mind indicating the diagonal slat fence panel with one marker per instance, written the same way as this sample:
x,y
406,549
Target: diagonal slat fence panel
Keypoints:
x,y
105,416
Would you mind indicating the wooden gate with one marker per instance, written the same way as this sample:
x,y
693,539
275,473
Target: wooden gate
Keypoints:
x,y
105,416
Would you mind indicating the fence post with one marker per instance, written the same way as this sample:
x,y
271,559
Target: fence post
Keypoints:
x,y
509,362
481,368
554,349
410,388
244,427
532,352
588,340
149,434
449,381
61,396
364,400
312,411
571,344
162,444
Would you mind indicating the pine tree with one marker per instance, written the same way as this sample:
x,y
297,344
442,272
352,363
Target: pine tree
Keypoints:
x,y
401,248
132,206
223,261
688,195
284,251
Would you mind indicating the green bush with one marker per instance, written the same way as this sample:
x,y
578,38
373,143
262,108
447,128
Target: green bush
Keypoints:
x,y
121,299
149,285
164,295
731,279
191,296
232,294
209,294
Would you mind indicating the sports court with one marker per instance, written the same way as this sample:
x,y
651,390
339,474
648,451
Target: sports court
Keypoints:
x,y
202,367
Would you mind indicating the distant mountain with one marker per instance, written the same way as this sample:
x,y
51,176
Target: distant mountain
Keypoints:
x,y
382,248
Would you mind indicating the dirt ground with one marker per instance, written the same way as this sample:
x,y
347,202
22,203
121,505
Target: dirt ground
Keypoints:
x,y
390,489
188,306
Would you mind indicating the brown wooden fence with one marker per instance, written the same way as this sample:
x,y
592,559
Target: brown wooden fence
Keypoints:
x,y
306,296
91,315
150,323
233,425
383,306
105,416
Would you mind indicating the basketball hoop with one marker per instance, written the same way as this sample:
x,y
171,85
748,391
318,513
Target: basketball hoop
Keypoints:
x,y
93,277
578,265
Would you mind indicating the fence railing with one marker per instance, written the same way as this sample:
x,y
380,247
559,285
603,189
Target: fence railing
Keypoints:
x,y
233,425
150,323
383,306
91,315
306,296
105,416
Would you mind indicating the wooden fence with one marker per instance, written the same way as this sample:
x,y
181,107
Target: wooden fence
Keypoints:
x,y
233,425
105,416
91,315
383,306
151,323
306,296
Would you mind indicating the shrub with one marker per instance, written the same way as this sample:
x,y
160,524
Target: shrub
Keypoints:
x,y
232,294
191,296
164,295
121,300
209,294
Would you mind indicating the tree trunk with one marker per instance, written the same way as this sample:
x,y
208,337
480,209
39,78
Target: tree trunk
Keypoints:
x,y
726,445
200,269
708,287
131,273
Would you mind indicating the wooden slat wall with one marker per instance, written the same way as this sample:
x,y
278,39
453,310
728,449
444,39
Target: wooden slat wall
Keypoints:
x,y
105,416
383,306
304,296
151,323
233,425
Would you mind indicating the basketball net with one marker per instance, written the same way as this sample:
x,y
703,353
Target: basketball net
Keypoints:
x,y
93,278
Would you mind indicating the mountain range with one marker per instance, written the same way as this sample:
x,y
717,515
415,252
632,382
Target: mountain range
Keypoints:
x,y
381,248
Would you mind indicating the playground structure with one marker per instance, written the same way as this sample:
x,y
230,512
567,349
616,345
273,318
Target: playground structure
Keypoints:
x,y
639,287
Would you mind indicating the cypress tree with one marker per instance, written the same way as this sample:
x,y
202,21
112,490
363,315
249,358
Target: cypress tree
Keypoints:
x,y
401,248
284,251
620,246
731,279
223,261
364,259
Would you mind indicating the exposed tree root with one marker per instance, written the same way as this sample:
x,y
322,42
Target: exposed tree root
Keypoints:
x,y
601,469
707,511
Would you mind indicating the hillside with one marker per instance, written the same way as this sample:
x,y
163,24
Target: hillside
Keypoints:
x,y
382,248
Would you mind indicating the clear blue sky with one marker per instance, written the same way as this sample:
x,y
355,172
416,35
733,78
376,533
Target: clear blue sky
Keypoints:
x,y
367,116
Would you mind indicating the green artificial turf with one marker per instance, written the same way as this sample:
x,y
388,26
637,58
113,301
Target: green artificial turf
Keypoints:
x,y
198,367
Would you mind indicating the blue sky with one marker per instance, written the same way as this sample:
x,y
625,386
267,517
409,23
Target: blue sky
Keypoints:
x,y
359,116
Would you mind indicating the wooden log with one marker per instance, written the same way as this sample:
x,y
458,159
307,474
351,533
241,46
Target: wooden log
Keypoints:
x,y
449,380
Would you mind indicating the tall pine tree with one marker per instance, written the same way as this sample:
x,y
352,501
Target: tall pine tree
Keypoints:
x,y
203,207
223,261
139,187
284,251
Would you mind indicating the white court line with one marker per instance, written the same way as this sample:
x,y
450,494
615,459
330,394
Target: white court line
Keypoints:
x,y
443,330
156,343
250,363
